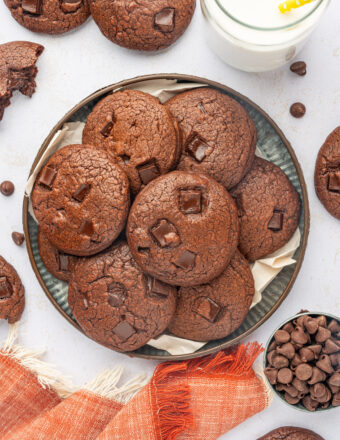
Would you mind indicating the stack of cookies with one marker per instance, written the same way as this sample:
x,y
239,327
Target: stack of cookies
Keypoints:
x,y
154,219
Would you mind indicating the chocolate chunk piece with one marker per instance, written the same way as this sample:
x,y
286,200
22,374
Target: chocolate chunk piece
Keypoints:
x,y
87,228
148,171
6,289
207,308
159,288
276,222
81,192
63,261
334,182
299,67
186,260
7,188
32,6
124,330
70,5
190,201
164,20
165,234
18,238
107,127
197,147
297,110
116,294
47,177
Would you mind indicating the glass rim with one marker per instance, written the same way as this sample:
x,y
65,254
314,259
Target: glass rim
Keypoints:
x,y
278,28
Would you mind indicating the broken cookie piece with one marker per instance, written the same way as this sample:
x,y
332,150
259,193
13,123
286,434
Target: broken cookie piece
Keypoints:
x,y
12,293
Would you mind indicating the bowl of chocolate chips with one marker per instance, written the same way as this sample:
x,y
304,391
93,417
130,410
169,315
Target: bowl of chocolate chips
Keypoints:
x,y
302,361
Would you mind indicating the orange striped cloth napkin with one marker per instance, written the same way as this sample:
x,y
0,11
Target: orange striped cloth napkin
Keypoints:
x,y
198,399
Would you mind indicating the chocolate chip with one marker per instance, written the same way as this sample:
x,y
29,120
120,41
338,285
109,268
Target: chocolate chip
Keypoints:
x,y
116,294
304,371
148,171
279,361
197,147
334,182
285,376
296,360
336,399
324,363
299,67
70,5
287,350
322,335
335,379
164,20
310,403
271,374
63,261
270,357
7,188
306,354
334,326
322,320
87,228
291,400
190,201
300,385
207,308
47,177
325,397
318,390
316,349
335,359
18,238
32,6
330,347
81,192
297,110
108,126
276,222
158,288
288,327
311,325
124,330
6,289
281,336
291,390
272,346
186,260
299,336
165,234
317,376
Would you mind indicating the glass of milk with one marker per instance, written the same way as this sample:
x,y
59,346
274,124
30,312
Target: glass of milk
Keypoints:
x,y
253,35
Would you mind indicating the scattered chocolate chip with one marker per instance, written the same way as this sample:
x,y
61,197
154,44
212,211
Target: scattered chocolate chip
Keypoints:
x,y
32,6
197,147
69,6
276,222
164,20
190,201
47,177
297,110
87,228
299,67
81,192
148,171
207,308
165,234
186,260
124,330
7,188
18,238
334,182
6,289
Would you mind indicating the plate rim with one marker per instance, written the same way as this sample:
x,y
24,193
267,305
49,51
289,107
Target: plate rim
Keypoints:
x,y
215,84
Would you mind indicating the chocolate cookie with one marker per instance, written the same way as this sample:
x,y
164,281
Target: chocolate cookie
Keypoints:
x,y
219,137
56,262
269,209
12,293
327,174
145,24
291,433
115,303
17,70
215,310
138,132
49,16
183,229
81,200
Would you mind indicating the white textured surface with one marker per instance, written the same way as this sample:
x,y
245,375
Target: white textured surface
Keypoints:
x,y
75,65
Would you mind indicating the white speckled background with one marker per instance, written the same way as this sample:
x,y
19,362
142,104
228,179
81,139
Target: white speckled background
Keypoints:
x,y
75,65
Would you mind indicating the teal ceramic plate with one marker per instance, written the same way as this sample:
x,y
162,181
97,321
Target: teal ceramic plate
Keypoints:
x,y
274,147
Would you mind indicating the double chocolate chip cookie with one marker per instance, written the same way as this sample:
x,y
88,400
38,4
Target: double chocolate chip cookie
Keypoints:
x,y
81,200
269,209
219,137
215,310
49,16
115,303
291,433
183,228
327,174
17,70
138,132
12,293
147,25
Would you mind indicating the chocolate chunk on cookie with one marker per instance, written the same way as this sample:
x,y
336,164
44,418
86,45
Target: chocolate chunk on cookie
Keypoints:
x,y
81,200
17,70
115,303
291,433
183,228
146,25
269,209
12,293
327,174
215,310
138,132
219,137
57,263
49,16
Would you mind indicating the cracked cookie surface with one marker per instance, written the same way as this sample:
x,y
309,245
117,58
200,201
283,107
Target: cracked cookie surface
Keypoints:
x,y
327,174
146,25
291,433
183,228
219,137
49,16
269,209
138,132
81,200
17,70
115,303
214,310
12,293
